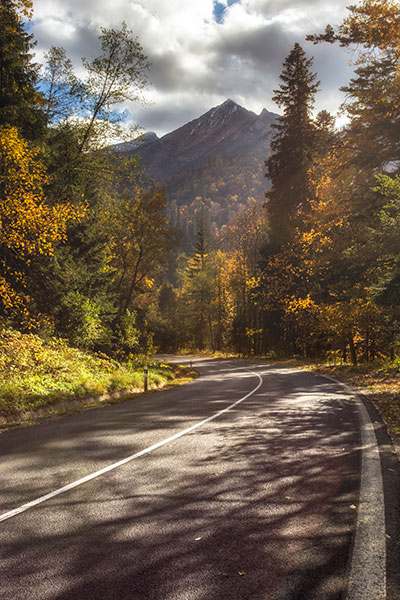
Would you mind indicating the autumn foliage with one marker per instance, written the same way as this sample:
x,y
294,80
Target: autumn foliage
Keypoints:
x,y
28,226
89,248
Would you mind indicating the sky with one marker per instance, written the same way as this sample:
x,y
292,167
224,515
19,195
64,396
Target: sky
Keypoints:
x,y
202,51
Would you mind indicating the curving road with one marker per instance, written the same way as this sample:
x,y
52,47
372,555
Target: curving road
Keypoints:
x,y
253,482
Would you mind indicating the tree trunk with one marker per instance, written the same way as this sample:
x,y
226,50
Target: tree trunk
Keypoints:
x,y
352,351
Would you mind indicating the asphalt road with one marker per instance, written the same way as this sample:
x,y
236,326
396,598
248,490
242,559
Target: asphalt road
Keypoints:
x,y
244,484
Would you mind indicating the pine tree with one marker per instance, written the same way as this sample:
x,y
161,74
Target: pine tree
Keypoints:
x,y
19,99
372,97
200,248
292,146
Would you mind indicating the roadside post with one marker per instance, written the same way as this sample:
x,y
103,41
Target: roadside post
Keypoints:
x,y
146,373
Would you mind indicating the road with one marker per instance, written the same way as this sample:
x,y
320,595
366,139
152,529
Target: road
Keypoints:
x,y
244,484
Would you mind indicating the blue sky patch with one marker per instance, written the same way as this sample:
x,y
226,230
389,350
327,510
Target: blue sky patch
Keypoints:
x,y
220,8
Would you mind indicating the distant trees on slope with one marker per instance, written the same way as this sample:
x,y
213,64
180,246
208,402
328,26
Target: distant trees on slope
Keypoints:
x,y
325,277
87,250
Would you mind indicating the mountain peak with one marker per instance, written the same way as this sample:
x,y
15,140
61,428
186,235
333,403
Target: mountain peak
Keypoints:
x,y
224,130
228,106
220,116
229,102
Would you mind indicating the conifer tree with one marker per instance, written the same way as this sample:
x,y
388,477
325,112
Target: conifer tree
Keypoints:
x,y
372,95
19,99
200,250
198,291
291,146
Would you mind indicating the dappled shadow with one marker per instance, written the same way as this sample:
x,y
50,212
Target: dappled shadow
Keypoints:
x,y
46,456
255,505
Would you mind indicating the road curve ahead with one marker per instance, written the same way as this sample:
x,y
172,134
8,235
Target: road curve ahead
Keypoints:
x,y
243,485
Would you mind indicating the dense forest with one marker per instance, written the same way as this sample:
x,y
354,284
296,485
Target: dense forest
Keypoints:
x,y
91,252
216,191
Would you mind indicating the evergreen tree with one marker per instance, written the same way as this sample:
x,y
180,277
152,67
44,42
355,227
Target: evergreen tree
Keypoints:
x,y
291,146
372,96
198,291
19,99
200,250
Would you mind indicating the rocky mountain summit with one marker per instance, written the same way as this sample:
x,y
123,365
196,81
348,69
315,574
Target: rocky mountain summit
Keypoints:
x,y
212,167
226,130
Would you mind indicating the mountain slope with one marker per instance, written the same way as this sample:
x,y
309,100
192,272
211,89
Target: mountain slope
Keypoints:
x,y
213,166
225,130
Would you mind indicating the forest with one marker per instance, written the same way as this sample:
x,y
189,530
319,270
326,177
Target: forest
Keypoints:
x,y
91,252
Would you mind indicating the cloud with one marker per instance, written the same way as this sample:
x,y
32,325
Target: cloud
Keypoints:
x,y
172,111
201,51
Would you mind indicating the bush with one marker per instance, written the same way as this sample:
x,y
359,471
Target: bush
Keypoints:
x,y
80,320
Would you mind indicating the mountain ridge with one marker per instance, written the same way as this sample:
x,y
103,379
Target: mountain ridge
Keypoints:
x,y
212,166
223,130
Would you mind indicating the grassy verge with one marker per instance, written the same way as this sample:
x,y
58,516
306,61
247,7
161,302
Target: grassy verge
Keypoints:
x,y
35,374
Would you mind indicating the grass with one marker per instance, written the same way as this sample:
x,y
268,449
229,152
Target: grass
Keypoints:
x,y
35,373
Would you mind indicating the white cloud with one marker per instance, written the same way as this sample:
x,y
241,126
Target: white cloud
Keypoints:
x,y
197,62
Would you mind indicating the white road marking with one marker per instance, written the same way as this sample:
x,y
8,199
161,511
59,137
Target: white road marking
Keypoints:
x,y
124,461
367,577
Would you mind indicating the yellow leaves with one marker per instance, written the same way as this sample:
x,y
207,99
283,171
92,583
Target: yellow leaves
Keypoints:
x,y
374,23
250,333
296,305
28,226
308,237
148,283
253,282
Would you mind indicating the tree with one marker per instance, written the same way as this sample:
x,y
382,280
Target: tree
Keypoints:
x,y
200,250
28,226
198,293
20,102
139,239
291,146
62,90
117,75
386,240
243,240
326,136
372,96
82,117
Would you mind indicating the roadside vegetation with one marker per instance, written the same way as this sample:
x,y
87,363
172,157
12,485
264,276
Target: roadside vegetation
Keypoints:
x,y
37,374
87,253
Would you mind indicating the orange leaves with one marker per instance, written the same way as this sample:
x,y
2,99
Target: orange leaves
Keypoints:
x,y
297,305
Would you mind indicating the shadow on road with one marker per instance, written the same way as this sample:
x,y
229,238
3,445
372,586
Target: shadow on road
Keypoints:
x,y
255,506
